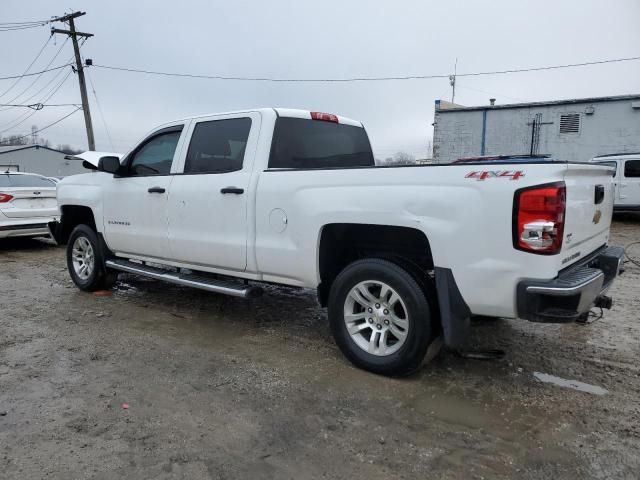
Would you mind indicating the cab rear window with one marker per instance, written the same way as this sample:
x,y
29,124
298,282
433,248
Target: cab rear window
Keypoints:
x,y
302,143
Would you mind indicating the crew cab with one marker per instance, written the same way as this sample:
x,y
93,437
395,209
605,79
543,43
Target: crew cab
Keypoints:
x,y
399,255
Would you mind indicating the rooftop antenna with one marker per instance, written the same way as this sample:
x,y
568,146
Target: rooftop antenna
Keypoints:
x,y
452,81
34,135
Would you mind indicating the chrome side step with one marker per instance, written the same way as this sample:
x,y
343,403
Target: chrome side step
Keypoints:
x,y
214,285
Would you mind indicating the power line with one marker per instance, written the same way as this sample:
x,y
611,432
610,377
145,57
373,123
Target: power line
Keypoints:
x,y
45,86
39,106
17,121
8,26
104,122
28,68
29,22
50,125
364,79
35,73
20,27
39,76
50,94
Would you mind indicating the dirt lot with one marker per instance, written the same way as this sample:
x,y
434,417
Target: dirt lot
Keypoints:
x,y
226,388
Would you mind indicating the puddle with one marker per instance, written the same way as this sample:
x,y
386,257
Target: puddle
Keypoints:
x,y
574,384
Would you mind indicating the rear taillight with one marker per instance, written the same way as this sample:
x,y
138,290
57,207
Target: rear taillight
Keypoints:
x,y
5,197
325,117
538,218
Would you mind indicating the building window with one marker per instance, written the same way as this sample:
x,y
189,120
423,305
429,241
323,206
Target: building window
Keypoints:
x,y
569,123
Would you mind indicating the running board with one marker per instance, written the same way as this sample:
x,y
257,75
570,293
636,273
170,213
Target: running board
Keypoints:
x,y
225,287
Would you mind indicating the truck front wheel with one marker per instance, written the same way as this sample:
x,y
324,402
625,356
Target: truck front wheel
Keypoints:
x,y
85,261
380,317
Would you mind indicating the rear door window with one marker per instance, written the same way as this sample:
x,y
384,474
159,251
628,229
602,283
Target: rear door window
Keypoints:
x,y
218,146
632,168
302,143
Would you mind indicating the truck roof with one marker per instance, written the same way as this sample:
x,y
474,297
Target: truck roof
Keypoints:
x,y
284,112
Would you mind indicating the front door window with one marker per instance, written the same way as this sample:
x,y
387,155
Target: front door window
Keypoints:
x,y
155,156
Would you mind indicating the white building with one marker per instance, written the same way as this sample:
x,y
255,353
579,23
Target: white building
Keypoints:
x,y
38,159
574,130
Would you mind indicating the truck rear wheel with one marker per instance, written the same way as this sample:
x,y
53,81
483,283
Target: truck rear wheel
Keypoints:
x,y
85,261
380,317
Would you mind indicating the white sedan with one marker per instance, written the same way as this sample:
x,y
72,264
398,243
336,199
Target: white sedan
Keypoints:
x,y
27,204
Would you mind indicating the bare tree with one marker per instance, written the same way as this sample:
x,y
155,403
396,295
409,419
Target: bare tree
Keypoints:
x,y
14,140
68,149
400,158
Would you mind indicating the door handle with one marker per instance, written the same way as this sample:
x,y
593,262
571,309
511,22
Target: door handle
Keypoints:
x,y
156,190
599,194
236,190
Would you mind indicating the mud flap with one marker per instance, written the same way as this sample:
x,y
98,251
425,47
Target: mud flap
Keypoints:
x,y
55,230
454,312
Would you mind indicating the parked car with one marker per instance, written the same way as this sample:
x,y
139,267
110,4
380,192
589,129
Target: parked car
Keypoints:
x,y
399,255
27,204
626,180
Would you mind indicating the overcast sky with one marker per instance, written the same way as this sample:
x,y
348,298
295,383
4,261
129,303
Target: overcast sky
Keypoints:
x,y
304,39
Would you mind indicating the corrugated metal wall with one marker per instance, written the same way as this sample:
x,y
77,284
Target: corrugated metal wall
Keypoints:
x,y
41,160
604,127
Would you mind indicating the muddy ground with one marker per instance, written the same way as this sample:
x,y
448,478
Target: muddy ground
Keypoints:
x,y
224,388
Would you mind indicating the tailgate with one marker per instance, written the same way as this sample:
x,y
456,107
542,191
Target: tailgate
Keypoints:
x,y
589,208
30,202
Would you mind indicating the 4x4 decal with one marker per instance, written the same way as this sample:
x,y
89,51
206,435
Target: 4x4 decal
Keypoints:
x,y
484,174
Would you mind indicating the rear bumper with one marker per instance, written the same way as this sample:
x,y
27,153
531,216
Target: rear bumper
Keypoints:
x,y
573,292
32,227
29,230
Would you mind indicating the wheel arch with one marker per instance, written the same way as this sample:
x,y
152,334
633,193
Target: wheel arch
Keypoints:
x,y
70,217
340,244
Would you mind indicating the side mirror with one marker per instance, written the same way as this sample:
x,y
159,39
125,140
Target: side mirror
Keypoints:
x,y
109,164
89,166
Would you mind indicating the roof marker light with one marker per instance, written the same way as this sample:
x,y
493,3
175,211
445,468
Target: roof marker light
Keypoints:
x,y
325,117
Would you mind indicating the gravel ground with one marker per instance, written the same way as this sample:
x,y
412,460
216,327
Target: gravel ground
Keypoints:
x,y
217,387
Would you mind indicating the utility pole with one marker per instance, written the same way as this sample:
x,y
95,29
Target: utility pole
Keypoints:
x,y
452,81
79,68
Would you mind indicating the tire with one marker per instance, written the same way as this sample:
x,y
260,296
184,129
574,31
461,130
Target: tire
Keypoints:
x,y
398,306
84,248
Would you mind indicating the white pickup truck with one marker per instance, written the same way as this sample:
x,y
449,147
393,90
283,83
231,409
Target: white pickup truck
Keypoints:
x,y
399,255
